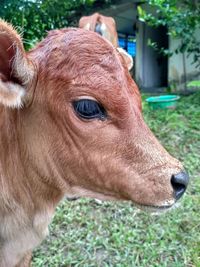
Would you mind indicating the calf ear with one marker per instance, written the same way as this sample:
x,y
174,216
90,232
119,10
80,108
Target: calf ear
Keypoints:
x,y
16,70
128,58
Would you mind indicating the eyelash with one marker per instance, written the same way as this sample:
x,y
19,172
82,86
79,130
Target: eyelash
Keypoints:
x,y
89,109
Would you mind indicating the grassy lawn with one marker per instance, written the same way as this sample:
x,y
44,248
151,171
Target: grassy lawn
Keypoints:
x,y
86,234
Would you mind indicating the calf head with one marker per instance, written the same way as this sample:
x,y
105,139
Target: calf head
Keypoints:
x,y
80,120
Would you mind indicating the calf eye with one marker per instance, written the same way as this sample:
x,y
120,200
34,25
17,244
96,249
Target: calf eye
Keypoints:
x,y
89,109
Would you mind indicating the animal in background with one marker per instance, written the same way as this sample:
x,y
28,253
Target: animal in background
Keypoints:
x,y
106,27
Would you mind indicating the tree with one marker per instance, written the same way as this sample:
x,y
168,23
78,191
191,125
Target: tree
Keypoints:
x,y
33,18
182,19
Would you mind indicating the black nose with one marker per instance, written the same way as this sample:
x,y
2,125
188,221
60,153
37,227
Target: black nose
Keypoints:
x,y
179,183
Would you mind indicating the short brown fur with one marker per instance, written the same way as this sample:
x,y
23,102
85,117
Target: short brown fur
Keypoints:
x,y
48,152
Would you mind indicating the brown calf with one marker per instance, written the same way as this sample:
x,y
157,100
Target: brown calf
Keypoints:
x,y
71,125
106,27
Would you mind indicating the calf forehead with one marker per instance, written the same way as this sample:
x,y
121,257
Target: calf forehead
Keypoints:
x,y
84,60
77,51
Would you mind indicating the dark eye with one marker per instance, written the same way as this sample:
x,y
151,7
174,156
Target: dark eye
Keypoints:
x,y
89,109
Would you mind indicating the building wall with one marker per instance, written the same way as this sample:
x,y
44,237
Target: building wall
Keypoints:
x,y
151,66
139,56
176,75
151,70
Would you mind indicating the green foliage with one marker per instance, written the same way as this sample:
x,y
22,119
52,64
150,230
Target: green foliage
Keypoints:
x,y
160,50
182,19
194,84
33,18
116,234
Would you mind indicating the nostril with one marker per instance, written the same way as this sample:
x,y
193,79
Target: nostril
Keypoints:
x,y
179,183
179,189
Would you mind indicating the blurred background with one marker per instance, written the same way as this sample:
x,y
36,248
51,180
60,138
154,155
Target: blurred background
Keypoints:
x,y
163,38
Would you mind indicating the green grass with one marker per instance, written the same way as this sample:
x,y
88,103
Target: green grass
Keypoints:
x,y
86,234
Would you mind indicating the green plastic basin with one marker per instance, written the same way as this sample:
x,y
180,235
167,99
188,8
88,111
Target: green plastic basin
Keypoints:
x,y
163,101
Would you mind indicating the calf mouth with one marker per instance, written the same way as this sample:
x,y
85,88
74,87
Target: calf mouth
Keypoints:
x,y
156,209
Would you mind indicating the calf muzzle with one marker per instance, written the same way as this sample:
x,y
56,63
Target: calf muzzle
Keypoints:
x,y
179,183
